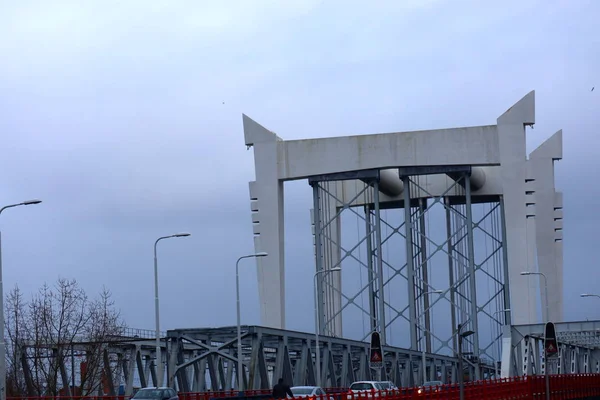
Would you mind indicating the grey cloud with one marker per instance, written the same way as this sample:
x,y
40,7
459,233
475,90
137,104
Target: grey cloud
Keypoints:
x,y
115,117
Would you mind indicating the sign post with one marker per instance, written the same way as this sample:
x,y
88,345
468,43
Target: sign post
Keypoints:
x,y
376,354
550,351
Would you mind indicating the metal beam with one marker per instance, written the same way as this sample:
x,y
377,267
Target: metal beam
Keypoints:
x,y
288,354
578,342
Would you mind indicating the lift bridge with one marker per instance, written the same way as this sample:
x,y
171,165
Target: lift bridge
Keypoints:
x,y
415,234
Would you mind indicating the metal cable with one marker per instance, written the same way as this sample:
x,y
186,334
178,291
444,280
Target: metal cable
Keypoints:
x,y
387,269
500,272
429,269
489,265
326,259
360,270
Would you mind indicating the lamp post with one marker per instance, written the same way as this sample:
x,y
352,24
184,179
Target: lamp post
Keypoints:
x,y
496,368
590,295
424,357
547,375
2,339
317,325
159,369
239,317
527,273
461,336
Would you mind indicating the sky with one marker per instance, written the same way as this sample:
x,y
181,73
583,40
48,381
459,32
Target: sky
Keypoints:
x,y
125,118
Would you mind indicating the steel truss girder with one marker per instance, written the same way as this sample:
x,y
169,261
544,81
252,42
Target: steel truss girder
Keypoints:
x,y
126,361
470,309
269,354
417,257
578,342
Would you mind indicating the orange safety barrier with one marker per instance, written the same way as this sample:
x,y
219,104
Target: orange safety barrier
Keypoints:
x,y
562,387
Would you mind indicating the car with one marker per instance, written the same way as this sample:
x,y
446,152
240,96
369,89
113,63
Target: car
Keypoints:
x,y
371,388
431,386
387,385
156,393
310,392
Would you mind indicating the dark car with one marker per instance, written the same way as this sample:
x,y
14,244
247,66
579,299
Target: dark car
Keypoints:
x,y
156,393
431,386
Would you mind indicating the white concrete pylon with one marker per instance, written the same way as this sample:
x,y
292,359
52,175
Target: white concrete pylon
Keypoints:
x,y
513,170
542,166
266,195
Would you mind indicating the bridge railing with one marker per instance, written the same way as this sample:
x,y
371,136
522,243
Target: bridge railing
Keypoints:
x,y
572,386
222,394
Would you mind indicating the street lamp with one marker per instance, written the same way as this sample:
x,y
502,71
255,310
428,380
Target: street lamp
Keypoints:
x,y
496,367
547,372
159,369
461,336
2,339
424,357
527,273
239,318
590,295
317,325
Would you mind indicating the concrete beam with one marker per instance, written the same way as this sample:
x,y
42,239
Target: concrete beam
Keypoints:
x,y
300,159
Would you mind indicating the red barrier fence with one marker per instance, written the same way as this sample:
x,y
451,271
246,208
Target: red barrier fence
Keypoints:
x,y
562,387
220,395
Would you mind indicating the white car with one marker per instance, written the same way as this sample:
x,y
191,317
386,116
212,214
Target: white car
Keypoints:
x,y
370,388
310,392
387,385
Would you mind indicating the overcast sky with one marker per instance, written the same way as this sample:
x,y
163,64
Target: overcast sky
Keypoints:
x,y
126,119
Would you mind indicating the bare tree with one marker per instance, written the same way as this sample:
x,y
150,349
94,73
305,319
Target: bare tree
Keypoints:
x,y
15,321
107,326
59,317
46,332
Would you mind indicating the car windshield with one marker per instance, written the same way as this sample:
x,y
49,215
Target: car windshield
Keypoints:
x,y
433,383
361,386
299,391
158,394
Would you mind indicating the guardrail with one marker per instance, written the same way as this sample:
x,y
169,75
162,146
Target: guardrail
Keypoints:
x,y
222,394
563,387
247,393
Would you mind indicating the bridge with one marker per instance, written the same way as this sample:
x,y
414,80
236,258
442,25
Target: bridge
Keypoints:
x,y
199,360
417,235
